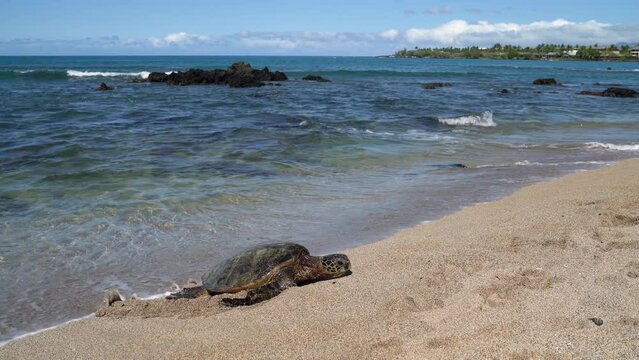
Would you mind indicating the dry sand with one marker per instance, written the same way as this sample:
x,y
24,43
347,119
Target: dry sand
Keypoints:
x,y
518,278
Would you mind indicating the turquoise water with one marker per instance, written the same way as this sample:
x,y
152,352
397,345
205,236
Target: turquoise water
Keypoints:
x,y
150,184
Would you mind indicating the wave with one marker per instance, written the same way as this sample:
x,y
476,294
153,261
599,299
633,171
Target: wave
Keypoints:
x,y
65,74
33,74
76,73
485,119
536,163
389,73
573,146
598,145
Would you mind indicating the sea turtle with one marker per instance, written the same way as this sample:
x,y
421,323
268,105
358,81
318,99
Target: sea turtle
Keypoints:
x,y
265,271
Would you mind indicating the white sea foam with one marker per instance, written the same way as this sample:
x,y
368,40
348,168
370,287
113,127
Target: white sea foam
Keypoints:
x,y
76,73
485,119
421,135
598,145
535,163
155,296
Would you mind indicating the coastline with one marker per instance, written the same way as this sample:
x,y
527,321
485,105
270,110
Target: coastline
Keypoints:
x,y
632,60
532,268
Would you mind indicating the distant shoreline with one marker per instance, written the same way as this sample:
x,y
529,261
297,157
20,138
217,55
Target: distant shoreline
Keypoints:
x,y
501,58
549,52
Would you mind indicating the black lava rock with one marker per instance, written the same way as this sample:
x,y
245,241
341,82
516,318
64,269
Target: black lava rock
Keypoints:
x,y
549,81
243,80
238,75
157,77
315,78
104,87
278,76
620,92
435,85
612,92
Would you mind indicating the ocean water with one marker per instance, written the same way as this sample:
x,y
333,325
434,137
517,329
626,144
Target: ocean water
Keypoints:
x,y
149,185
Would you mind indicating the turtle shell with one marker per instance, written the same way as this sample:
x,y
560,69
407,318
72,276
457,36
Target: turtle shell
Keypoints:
x,y
251,268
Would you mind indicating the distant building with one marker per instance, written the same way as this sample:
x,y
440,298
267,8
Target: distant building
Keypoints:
x,y
571,52
610,53
635,52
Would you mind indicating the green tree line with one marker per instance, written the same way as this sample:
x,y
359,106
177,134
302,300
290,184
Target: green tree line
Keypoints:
x,y
541,51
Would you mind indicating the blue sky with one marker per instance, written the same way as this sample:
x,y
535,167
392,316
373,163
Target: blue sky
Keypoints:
x,y
301,27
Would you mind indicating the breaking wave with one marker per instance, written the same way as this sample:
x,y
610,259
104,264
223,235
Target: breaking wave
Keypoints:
x,y
598,145
485,119
76,73
536,163
65,74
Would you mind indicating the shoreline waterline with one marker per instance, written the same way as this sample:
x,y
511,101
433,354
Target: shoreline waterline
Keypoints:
x,y
600,165
561,252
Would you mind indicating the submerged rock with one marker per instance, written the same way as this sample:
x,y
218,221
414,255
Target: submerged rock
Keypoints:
x,y
315,78
549,81
590,92
612,85
620,92
435,85
451,166
612,92
104,87
238,75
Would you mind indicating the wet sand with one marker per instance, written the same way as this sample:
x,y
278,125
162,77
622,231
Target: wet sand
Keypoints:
x,y
528,276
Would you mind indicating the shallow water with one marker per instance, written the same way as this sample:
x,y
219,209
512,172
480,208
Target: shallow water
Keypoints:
x,y
150,184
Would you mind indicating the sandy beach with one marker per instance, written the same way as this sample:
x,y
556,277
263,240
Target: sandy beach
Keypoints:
x,y
527,277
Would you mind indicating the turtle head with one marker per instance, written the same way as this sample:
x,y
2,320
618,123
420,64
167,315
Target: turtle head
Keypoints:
x,y
336,265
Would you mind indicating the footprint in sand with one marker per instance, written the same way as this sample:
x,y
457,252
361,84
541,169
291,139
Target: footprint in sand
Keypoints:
x,y
549,239
411,304
388,343
505,288
632,269
611,239
624,217
440,342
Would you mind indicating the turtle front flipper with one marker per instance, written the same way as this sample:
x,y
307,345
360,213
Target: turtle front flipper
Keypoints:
x,y
255,296
265,292
188,293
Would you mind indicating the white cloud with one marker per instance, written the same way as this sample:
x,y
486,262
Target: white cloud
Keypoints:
x,y
314,42
390,34
439,10
452,33
474,10
178,39
463,33
253,41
